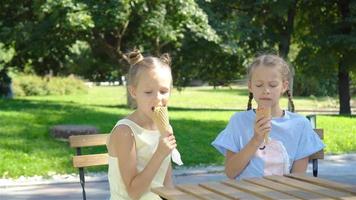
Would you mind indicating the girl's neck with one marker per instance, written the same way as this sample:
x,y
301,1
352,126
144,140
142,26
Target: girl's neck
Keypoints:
x,y
276,111
142,120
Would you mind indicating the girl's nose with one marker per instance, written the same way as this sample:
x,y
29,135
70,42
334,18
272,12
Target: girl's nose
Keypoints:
x,y
159,97
266,90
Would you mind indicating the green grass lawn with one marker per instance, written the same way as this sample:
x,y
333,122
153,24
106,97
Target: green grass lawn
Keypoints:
x,y
197,115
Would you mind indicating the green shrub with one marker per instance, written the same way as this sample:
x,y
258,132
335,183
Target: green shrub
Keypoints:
x,y
306,85
31,85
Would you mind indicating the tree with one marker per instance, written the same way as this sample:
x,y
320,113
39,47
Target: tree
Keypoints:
x,y
46,34
327,37
260,26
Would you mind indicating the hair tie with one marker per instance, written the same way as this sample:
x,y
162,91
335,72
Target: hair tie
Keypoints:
x,y
165,58
134,57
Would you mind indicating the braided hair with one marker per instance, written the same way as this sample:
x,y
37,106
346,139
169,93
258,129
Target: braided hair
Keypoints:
x,y
271,60
249,104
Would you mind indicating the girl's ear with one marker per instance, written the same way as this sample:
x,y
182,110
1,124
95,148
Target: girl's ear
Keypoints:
x,y
249,86
285,86
132,91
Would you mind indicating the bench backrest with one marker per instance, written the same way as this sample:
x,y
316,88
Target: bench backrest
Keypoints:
x,y
319,154
79,141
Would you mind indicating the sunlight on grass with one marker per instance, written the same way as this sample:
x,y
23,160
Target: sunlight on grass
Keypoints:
x,y
197,115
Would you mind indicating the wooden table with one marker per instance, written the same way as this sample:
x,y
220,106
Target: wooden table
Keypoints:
x,y
293,186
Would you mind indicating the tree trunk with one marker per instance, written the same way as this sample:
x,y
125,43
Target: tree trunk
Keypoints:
x,y
5,85
343,74
344,89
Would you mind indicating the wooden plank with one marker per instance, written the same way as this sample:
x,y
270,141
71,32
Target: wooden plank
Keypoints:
x,y
90,160
87,140
201,192
173,193
228,191
323,182
263,192
319,154
325,191
285,189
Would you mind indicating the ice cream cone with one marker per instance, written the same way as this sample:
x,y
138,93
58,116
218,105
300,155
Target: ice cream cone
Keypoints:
x,y
161,119
265,112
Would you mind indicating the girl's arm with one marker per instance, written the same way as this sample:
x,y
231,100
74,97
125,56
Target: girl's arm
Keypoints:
x,y
122,146
168,181
235,163
300,166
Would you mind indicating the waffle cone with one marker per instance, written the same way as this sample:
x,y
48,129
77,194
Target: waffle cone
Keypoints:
x,y
161,119
265,112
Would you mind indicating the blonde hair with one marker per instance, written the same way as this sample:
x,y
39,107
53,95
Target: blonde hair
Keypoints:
x,y
271,60
138,63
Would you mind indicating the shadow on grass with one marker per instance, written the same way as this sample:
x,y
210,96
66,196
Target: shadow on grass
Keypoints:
x,y
237,91
25,139
172,108
339,116
27,148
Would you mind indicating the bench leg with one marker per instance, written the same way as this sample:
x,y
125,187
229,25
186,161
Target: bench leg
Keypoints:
x,y
315,167
82,181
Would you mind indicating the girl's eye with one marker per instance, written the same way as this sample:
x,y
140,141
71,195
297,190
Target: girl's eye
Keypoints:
x,y
258,85
148,92
164,92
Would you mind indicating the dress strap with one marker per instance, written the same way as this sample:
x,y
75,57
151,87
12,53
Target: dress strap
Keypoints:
x,y
133,126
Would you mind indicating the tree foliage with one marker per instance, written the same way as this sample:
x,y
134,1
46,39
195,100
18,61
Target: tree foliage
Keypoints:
x,y
50,34
326,36
209,40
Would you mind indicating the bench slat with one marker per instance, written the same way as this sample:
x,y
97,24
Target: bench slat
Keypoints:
x,y
173,194
285,189
87,140
263,192
228,191
324,191
90,160
200,192
323,182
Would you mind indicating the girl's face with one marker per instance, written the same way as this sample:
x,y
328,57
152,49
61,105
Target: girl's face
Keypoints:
x,y
153,89
267,85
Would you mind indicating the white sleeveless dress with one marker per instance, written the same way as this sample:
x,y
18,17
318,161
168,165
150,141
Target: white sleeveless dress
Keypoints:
x,y
146,144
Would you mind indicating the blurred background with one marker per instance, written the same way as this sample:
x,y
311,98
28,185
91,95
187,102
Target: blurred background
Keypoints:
x,y
62,62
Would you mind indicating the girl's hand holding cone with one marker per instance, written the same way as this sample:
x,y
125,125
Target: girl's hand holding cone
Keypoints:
x,y
166,145
161,119
263,124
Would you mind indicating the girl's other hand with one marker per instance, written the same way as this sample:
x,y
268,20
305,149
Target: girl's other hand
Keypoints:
x,y
262,127
166,145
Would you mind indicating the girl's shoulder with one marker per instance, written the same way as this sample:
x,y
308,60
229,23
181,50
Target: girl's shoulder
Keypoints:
x,y
121,130
126,122
243,114
295,116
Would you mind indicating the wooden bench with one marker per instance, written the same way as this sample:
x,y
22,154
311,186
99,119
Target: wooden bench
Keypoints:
x,y
81,161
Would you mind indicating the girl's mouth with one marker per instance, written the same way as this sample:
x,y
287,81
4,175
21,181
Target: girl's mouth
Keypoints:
x,y
265,99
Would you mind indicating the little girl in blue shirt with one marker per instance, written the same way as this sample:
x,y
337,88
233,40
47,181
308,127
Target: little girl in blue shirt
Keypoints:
x,y
291,138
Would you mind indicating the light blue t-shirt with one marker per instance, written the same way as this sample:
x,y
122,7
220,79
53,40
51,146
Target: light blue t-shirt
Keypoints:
x,y
292,130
